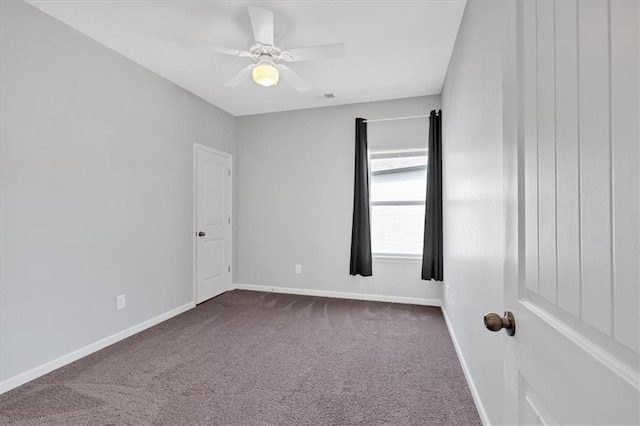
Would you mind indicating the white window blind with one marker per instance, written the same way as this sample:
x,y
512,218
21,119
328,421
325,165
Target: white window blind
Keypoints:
x,y
398,192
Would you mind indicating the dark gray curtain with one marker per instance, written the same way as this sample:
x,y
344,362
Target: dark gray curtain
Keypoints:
x,y
361,227
432,248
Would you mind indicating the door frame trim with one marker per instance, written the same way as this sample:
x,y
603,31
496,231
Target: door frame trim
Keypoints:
x,y
194,225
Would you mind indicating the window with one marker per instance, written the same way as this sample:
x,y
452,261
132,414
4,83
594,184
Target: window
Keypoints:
x,y
398,192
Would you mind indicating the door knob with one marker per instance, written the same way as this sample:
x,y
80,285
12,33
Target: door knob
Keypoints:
x,y
495,322
201,234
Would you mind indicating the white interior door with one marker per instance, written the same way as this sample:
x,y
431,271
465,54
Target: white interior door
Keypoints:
x,y
571,275
213,222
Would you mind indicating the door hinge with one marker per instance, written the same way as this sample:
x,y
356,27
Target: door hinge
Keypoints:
x,y
229,268
229,220
229,172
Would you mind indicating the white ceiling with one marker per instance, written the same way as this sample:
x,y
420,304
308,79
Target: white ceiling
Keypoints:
x,y
394,49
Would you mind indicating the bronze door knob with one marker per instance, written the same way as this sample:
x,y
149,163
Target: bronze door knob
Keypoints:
x,y
495,322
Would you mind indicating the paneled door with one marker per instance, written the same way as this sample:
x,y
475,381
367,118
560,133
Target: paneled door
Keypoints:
x,y
572,189
213,222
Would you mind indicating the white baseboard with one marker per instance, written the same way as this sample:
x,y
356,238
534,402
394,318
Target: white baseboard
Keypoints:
x,y
474,391
340,294
41,370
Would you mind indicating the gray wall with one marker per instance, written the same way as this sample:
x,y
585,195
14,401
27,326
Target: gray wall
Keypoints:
x,y
294,174
474,233
96,189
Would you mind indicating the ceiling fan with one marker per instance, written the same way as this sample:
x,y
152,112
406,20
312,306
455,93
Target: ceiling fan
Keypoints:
x,y
267,58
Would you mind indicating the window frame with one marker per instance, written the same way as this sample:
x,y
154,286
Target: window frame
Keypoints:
x,y
399,153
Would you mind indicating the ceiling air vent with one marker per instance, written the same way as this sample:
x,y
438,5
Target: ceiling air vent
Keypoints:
x,y
329,95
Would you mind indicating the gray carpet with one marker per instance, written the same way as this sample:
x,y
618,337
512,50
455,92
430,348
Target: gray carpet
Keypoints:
x,y
249,358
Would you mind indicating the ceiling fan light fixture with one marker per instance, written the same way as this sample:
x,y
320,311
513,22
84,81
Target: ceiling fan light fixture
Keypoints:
x,y
266,75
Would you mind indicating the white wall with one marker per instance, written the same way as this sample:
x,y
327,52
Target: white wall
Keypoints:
x,y
473,197
96,189
294,174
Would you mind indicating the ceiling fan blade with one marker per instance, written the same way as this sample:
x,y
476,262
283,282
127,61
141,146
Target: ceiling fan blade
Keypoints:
x,y
262,24
324,51
240,77
293,79
215,49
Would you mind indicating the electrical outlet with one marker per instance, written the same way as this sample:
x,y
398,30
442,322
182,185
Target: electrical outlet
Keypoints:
x,y
298,269
120,302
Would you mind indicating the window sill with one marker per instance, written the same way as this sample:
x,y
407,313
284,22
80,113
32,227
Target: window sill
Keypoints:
x,y
399,258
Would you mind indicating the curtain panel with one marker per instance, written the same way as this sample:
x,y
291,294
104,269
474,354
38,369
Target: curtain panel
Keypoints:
x,y
361,263
432,246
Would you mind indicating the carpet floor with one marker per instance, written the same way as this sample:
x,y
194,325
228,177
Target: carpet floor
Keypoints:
x,y
251,358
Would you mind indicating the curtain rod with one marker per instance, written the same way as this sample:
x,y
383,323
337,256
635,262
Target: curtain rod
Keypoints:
x,y
396,118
